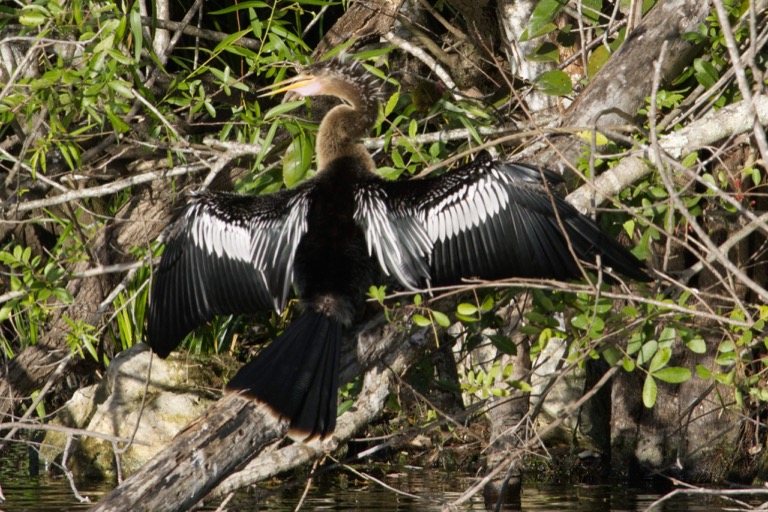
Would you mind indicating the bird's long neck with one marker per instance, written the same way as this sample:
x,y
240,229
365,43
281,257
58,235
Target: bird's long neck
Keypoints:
x,y
342,130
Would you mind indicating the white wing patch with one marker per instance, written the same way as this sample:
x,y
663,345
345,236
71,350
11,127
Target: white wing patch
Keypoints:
x,y
467,208
274,247
218,236
398,240
267,243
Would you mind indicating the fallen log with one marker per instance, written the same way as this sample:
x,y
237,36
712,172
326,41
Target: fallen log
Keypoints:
x,y
235,431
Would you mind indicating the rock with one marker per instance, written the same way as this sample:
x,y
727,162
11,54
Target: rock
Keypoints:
x,y
113,407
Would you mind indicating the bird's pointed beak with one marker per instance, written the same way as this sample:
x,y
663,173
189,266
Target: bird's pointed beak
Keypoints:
x,y
300,84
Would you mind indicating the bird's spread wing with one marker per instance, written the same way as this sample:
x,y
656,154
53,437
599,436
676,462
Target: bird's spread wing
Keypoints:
x,y
395,236
225,254
489,220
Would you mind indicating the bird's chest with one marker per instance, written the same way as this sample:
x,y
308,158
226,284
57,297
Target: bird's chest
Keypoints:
x,y
331,212
332,256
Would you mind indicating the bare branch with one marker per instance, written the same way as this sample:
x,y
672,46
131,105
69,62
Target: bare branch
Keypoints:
x,y
725,122
109,188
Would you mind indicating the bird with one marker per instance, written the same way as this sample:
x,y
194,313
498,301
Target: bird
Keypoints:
x,y
345,229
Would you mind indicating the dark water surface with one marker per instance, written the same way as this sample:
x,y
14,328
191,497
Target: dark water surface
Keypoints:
x,y
340,493
343,491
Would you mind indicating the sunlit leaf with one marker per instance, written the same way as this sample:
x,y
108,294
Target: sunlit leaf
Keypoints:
x,y
660,359
697,345
421,320
441,319
466,309
540,22
296,161
597,60
649,391
673,374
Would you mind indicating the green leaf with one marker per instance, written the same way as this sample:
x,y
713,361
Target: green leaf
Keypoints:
x,y
226,43
612,355
138,34
581,321
105,44
649,391
545,52
421,320
647,351
391,103
597,60
628,364
629,227
727,346
690,160
673,374
34,15
377,293
282,108
503,343
554,83
591,9
660,360
667,336
441,319
588,135
519,384
697,345
541,19
121,87
239,6
118,124
5,311
297,160
705,73
344,407
703,372
466,309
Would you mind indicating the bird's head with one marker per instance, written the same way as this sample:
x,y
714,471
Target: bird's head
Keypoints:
x,y
344,78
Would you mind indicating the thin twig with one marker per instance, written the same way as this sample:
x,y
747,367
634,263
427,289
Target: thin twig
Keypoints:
x,y
191,30
52,380
741,76
109,188
425,58
66,430
68,473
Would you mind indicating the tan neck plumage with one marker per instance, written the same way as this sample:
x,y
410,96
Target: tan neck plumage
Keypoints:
x,y
343,128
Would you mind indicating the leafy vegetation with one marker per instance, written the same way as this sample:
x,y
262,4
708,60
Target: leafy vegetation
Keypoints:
x,y
90,108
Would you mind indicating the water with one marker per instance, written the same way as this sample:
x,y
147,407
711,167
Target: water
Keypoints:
x,y
436,489
345,491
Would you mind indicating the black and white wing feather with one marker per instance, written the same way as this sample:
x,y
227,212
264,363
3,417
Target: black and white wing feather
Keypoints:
x,y
396,238
226,254
489,220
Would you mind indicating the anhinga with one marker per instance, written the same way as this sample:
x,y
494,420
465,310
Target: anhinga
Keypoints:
x,y
345,229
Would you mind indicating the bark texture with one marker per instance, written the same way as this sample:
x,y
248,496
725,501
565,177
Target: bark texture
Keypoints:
x,y
619,89
235,431
137,225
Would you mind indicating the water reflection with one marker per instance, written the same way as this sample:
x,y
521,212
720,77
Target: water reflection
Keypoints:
x,y
432,489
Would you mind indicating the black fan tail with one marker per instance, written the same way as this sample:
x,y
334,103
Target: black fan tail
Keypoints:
x,y
297,375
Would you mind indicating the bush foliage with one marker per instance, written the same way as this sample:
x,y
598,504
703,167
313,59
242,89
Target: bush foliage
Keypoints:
x,y
93,114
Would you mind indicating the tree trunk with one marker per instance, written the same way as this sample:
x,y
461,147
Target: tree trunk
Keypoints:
x,y
235,431
137,225
619,89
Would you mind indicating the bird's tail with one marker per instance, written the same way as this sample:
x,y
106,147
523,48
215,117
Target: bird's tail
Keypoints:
x,y
297,375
